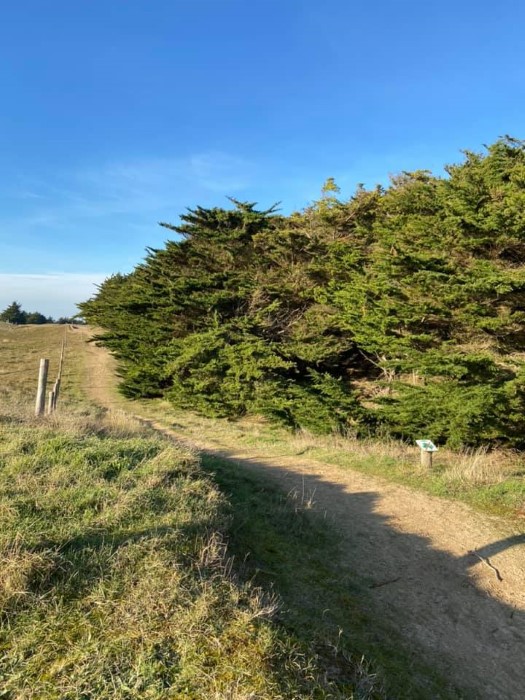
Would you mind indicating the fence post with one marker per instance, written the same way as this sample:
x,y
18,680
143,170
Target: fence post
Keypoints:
x,y
41,391
56,392
61,363
51,402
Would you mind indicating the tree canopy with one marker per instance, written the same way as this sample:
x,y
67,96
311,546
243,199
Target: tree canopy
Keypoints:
x,y
399,310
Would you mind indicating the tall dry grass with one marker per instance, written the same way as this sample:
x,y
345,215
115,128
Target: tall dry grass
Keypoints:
x,y
474,466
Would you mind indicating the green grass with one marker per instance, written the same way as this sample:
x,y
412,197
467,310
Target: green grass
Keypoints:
x,y
489,481
116,582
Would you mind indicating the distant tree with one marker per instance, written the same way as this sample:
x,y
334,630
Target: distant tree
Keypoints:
x,y
14,314
37,318
77,320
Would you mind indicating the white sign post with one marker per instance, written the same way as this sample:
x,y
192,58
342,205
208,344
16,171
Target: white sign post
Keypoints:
x,y
427,448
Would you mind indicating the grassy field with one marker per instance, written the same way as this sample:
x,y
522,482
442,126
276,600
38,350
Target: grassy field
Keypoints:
x,y
132,569
21,348
115,579
491,481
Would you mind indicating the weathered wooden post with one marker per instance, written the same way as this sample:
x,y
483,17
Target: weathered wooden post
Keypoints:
x,y
41,391
426,459
61,363
51,402
427,448
56,392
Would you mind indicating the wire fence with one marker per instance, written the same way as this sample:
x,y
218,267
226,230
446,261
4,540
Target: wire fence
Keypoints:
x,y
53,394
65,374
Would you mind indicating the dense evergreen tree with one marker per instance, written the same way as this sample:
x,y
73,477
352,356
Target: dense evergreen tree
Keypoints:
x,y
37,318
16,315
13,314
402,309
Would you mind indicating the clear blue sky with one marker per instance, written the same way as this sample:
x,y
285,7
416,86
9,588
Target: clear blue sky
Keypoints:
x,y
117,114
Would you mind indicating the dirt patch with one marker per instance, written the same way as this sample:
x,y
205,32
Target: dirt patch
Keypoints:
x,y
450,579
98,368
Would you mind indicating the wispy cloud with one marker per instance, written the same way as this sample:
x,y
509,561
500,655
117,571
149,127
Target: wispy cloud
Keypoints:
x,y
73,219
132,187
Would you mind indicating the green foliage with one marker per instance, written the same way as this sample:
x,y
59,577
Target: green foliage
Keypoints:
x,y
319,403
16,315
13,314
402,308
36,317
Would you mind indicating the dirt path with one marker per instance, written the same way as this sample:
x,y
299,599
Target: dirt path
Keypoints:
x,y
450,579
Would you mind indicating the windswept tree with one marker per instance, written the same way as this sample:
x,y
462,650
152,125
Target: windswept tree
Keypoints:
x,y
400,309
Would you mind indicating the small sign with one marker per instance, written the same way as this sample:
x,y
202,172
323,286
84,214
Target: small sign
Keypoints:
x,y
426,445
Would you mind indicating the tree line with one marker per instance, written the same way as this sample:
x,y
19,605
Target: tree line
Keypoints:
x,y
15,314
399,311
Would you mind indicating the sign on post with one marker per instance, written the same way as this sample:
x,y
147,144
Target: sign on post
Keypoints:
x,y
427,448
426,445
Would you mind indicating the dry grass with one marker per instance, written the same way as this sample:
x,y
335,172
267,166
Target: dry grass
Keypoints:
x,y
469,466
22,347
481,466
115,580
476,466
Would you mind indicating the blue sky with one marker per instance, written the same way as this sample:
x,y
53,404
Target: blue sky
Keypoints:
x,y
118,114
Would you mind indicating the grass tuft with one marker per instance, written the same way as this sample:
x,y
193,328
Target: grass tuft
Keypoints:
x,y
489,480
116,580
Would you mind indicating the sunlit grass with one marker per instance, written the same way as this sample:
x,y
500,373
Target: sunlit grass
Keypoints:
x,y
488,479
115,581
22,347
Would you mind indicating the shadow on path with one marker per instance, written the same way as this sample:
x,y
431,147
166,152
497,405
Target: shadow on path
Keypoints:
x,y
431,596
428,595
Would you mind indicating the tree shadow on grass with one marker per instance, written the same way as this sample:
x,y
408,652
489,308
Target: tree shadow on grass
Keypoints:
x,y
415,611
